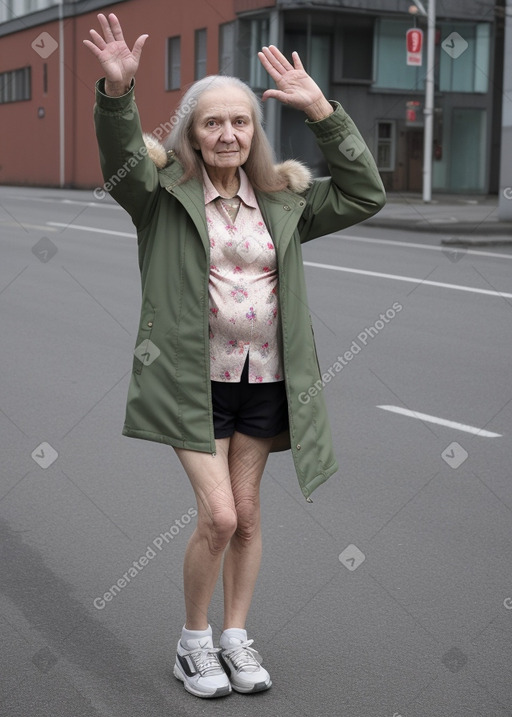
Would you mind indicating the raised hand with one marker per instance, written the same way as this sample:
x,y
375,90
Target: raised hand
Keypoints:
x,y
294,86
119,63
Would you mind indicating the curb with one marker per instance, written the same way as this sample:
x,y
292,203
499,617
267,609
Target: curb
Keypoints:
x,y
466,228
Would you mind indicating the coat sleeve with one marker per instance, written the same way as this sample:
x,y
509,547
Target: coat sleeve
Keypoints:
x,y
354,190
130,176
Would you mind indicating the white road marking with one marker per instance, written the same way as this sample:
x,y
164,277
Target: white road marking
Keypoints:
x,y
441,421
446,249
17,225
332,267
54,200
132,235
410,279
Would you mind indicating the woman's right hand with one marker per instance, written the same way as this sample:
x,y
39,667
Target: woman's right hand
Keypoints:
x,y
119,63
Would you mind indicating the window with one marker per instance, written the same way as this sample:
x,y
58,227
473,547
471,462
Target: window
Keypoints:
x,y
464,60
315,53
173,63
11,9
15,85
227,48
390,68
386,146
353,58
200,54
253,36
468,149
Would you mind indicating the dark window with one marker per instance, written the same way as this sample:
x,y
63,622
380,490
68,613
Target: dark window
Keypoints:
x,y
15,85
315,53
173,63
465,57
200,54
386,145
252,36
390,68
357,53
227,48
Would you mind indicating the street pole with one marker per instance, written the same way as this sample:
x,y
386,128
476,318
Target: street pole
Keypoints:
x,y
428,135
505,201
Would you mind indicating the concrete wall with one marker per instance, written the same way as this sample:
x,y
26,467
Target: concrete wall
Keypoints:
x,y
505,203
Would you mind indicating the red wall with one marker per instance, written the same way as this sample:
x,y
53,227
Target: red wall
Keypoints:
x,y
30,146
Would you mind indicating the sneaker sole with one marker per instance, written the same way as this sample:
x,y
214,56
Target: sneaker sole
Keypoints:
x,y
258,687
220,692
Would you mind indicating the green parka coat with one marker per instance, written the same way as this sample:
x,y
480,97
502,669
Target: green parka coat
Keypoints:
x,y
169,396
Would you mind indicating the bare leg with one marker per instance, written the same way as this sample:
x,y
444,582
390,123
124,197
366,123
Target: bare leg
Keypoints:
x,y
216,522
247,458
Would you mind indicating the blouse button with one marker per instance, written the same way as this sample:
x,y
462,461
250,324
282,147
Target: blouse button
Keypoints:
x,y
150,324
302,203
299,446
286,207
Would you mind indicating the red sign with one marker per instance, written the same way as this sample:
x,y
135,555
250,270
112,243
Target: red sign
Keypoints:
x,y
414,113
414,41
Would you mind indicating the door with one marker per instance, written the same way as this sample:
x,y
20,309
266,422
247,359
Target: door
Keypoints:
x,y
467,166
414,160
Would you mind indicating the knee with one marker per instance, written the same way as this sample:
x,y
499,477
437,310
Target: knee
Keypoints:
x,y
248,520
219,528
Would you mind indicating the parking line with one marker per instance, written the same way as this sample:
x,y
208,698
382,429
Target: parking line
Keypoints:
x,y
441,421
410,279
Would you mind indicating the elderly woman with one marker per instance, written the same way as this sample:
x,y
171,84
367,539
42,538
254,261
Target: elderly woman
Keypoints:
x,y
225,367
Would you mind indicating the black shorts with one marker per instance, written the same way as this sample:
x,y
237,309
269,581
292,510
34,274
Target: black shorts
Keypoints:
x,y
255,409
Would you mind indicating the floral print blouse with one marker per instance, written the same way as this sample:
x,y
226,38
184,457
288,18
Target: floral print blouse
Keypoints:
x,y
244,318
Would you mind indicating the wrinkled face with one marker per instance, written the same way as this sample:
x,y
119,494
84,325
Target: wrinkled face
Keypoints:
x,y
223,127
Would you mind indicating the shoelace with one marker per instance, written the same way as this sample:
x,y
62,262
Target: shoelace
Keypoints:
x,y
244,657
206,661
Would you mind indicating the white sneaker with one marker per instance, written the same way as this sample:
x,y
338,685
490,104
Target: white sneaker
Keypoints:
x,y
242,663
198,667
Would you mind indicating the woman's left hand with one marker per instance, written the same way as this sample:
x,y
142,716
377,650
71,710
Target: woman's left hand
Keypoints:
x,y
294,86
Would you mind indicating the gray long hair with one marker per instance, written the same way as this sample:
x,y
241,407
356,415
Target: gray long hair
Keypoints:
x,y
260,164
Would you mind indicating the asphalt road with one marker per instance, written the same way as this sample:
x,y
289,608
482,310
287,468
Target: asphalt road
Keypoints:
x,y
390,595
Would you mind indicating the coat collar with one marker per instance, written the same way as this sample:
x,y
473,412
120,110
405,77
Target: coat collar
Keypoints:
x,y
281,210
296,175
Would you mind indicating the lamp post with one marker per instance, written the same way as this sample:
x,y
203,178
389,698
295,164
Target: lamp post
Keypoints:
x,y
428,134
62,100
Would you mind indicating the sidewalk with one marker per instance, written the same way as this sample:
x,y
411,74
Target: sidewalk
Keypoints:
x,y
472,219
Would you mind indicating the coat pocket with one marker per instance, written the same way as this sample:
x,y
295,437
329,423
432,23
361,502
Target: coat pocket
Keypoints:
x,y
146,351
314,346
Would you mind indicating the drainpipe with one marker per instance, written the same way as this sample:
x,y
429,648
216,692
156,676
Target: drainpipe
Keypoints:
x,y
429,102
505,198
62,98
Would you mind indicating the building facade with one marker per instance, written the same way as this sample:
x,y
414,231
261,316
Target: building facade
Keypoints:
x,y
355,49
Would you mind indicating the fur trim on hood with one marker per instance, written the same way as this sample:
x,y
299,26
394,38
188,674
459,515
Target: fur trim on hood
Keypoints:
x,y
296,175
